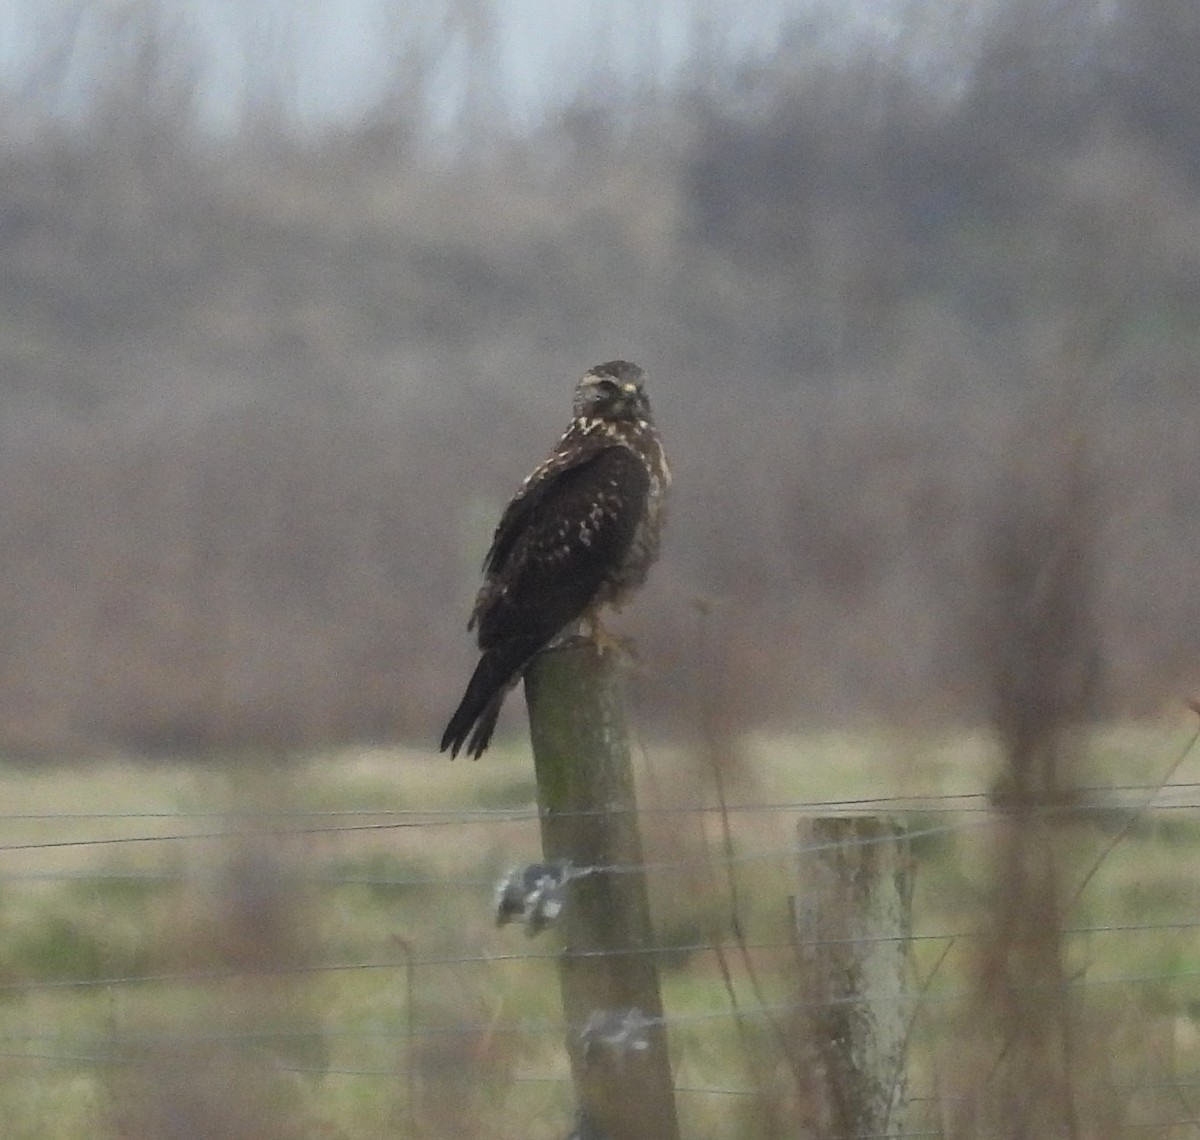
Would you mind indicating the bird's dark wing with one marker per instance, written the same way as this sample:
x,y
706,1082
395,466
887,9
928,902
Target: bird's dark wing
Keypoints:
x,y
568,530
557,542
572,452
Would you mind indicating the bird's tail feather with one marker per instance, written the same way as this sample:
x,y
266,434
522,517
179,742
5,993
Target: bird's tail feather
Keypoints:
x,y
476,715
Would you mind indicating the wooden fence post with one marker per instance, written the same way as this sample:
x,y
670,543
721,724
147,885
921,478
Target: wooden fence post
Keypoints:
x,y
853,922
608,973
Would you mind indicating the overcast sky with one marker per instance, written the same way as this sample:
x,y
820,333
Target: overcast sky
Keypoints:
x,y
334,55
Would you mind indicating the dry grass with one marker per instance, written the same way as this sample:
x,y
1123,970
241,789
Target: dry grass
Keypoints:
x,y
319,1052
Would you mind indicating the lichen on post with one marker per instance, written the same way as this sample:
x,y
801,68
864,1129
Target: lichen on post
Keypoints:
x,y
588,807
853,925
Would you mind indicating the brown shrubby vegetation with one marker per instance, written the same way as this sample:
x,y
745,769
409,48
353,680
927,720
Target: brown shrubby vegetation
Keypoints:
x,y
264,393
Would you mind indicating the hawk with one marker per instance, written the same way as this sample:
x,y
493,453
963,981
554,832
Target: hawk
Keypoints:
x,y
580,534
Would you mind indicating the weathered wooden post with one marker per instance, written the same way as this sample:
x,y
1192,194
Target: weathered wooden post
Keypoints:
x,y
853,922
611,997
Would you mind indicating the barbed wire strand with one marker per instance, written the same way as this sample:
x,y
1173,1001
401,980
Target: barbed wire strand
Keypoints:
x,y
1156,798
769,1009
442,817
159,1063
489,958
790,851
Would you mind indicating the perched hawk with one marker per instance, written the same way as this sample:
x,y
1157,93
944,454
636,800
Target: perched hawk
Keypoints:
x,y
581,533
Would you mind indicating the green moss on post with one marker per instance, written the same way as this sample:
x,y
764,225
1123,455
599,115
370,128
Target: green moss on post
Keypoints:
x,y
588,804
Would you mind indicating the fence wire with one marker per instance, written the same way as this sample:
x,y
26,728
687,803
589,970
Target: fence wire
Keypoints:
x,y
943,818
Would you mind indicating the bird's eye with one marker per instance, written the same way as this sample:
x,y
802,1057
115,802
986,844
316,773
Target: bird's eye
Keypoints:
x,y
608,388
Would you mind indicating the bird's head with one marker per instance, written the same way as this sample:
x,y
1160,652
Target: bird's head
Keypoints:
x,y
612,391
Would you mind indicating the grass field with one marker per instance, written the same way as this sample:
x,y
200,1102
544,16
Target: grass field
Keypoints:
x,y
306,949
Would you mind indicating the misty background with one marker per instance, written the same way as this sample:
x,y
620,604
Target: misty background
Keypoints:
x,y
289,305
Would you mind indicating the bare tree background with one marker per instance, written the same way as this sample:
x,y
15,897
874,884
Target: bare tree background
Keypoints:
x,y
263,389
